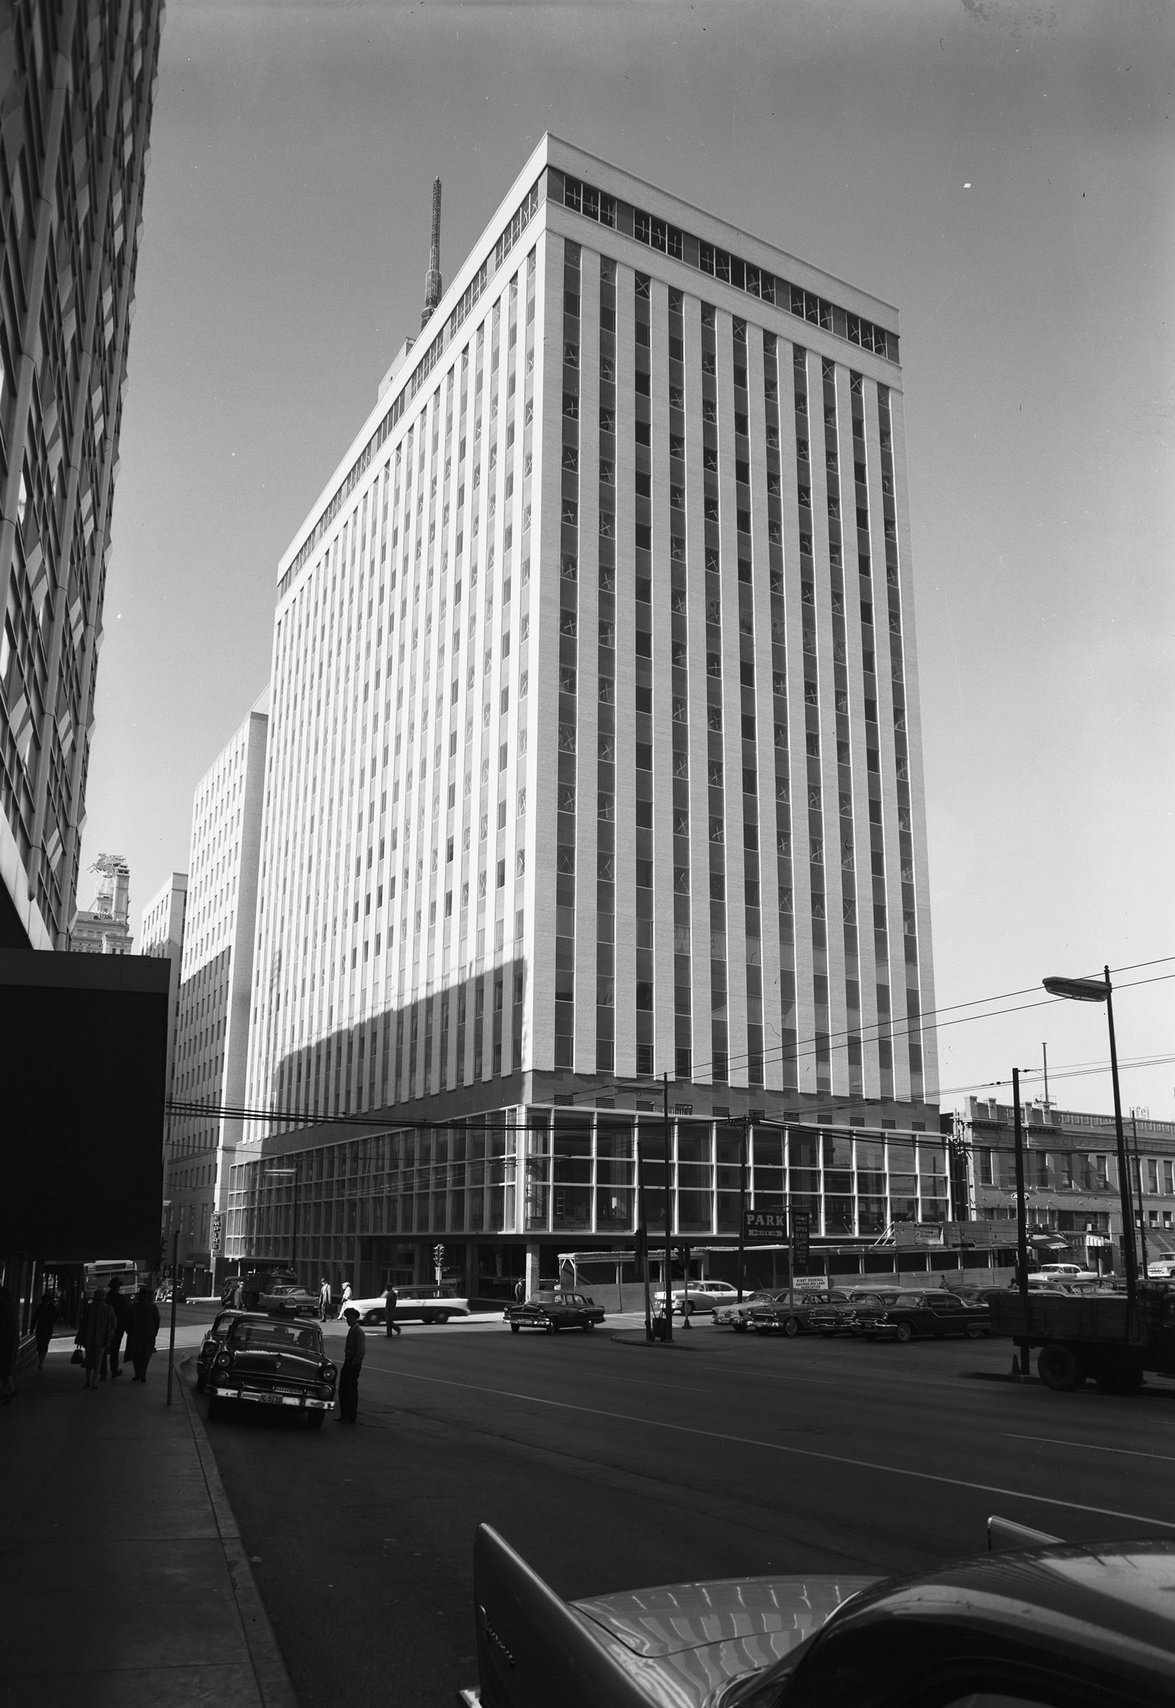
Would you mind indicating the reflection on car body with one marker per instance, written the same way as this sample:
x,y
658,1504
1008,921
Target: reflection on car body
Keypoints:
x,y
928,1316
554,1311
976,1633
796,1314
737,1315
845,1316
277,1361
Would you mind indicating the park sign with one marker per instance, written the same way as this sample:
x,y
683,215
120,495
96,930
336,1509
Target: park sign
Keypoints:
x,y
765,1227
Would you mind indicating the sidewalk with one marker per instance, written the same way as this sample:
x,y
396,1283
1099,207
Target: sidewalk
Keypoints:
x,y
123,1580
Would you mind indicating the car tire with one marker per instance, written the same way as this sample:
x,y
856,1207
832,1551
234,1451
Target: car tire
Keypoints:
x,y
314,1419
1060,1367
687,1308
903,1332
201,1381
975,1331
515,1328
214,1409
791,1326
740,1327
375,1317
587,1327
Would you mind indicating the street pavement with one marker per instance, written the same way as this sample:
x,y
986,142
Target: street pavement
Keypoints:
x,y
123,1580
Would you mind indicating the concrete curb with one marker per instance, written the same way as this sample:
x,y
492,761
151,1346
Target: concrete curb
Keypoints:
x,y
273,1681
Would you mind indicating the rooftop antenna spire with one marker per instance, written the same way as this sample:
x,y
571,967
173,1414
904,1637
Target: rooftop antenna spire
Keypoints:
x,y
432,279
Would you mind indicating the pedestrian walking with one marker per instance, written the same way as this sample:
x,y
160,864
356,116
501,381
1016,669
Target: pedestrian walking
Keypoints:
x,y
391,1300
121,1306
142,1327
344,1298
44,1322
94,1332
353,1351
325,1301
519,1292
9,1344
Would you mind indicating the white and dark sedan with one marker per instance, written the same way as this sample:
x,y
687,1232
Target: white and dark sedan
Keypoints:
x,y
553,1311
415,1304
698,1296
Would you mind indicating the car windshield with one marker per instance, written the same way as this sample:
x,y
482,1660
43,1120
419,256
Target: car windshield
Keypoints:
x,y
275,1337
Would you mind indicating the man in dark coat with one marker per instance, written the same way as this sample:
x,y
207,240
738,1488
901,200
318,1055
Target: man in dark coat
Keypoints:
x,y
391,1300
353,1351
122,1310
142,1327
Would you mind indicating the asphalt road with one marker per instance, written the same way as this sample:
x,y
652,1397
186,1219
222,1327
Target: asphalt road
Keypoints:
x,y
610,1464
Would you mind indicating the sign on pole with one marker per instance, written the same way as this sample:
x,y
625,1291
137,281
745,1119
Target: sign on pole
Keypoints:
x,y
801,1233
765,1227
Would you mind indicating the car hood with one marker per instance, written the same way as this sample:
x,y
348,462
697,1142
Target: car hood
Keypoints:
x,y
695,1638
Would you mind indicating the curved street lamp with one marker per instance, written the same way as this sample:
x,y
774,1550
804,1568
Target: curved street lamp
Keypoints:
x,y
1101,990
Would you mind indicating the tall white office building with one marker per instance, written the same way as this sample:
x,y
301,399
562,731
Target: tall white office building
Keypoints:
x,y
594,752
207,1081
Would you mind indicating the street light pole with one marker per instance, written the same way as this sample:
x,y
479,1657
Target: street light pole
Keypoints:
x,y
1021,1217
1101,990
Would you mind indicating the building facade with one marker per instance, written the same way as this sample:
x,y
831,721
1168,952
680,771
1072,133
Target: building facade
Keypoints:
x,y
1071,1180
212,1020
161,936
76,89
594,771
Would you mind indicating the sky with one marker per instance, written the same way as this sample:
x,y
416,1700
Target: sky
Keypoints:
x,y
1001,172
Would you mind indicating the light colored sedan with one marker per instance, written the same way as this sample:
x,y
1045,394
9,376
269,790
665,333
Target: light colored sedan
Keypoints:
x,y
699,1296
413,1305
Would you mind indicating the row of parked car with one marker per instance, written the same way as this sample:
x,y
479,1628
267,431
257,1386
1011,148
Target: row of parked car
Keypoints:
x,y
871,1313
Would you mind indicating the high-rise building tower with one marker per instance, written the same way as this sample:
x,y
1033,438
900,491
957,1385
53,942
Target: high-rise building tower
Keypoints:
x,y
207,1082
594,753
76,89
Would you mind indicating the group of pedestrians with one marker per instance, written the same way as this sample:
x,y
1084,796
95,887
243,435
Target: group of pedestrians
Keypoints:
x,y
106,1319
326,1299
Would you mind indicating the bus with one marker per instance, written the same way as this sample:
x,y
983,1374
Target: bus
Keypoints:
x,y
101,1272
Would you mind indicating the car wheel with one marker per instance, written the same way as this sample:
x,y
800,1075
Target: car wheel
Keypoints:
x,y
1060,1367
740,1327
548,1328
555,1327
375,1317
214,1409
201,1381
791,1326
427,1317
314,1419
441,1317
904,1332
515,1328
587,1327
687,1308
975,1331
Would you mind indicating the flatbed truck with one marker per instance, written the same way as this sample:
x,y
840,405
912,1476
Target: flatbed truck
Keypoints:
x,y
1103,1336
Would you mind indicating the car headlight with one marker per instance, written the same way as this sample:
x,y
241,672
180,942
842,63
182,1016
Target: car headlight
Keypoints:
x,y
223,1360
327,1370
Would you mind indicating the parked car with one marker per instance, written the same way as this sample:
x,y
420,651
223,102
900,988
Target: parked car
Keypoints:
x,y
554,1311
277,1361
414,1304
793,1313
844,1316
737,1316
977,1631
928,1316
1067,1272
699,1296
214,1339
287,1296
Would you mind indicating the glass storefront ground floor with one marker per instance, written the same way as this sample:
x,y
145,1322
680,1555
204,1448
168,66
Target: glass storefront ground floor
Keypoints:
x,y
505,1193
